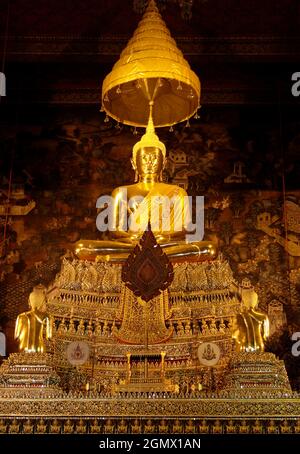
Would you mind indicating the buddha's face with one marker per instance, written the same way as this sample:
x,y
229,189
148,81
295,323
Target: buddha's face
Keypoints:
x,y
149,161
36,301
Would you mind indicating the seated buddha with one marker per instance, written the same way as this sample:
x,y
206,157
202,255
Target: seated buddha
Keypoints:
x,y
149,201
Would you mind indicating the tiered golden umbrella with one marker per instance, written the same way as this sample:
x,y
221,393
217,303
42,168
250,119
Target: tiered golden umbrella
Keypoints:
x,y
151,69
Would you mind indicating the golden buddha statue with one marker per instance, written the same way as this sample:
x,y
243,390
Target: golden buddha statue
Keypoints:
x,y
14,427
297,427
136,427
252,326
177,427
28,427
55,427
272,427
149,200
94,427
204,427
3,426
189,427
244,428
109,427
230,427
257,428
68,427
41,427
30,325
80,427
149,427
163,427
285,427
122,427
217,427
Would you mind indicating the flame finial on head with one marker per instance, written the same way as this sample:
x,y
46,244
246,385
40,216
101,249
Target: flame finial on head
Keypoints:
x,y
149,139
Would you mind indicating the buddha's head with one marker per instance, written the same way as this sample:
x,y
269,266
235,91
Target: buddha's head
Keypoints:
x,y
248,294
149,154
148,161
37,298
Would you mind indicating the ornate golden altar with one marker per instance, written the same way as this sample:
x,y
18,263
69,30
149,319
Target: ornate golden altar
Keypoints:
x,y
88,303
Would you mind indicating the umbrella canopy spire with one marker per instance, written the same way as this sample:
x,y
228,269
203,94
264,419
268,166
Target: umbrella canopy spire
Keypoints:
x,y
151,69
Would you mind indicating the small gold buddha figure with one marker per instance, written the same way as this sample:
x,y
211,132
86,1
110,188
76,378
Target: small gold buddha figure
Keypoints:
x,y
213,327
109,427
189,427
217,427
94,427
244,428
41,427
272,427
285,427
204,427
180,329
230,427
177,427
27,427
163,427
136,427
81,327
3,426
122,427
14,427
149,200
32,325
81,427
149,427
55,427
204,328
297,427
257,428
187,329
68,427
252,326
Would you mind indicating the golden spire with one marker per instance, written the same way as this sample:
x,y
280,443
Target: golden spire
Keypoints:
x,y
149,139
151,68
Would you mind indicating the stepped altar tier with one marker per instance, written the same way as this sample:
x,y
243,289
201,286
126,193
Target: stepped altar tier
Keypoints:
x,y
189,368
88,301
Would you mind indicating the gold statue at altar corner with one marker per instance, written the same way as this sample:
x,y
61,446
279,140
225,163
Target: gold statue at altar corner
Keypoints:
x,y
148,160
252,326
33,325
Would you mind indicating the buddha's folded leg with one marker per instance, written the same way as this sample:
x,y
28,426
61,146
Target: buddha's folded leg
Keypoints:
x,y
92,250
203,250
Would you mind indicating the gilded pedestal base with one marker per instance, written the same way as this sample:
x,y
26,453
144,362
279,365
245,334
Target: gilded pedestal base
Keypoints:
x,y
257,371
28,371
